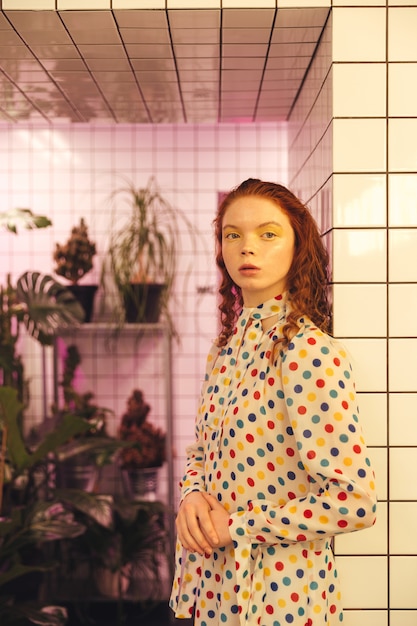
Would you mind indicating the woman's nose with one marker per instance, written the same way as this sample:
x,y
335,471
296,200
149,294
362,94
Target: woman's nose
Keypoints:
x,y
247,248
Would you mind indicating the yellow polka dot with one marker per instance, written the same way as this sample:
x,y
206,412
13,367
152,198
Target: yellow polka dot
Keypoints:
x,y
188,578
280,416
372,485
294,423
260,431
240,489
329,371
256,510
342,353
283,532
226,381
280,460
338,416
347,462
226,595
302,488
351,395
317,608
258,586
225,463
267,571
240,445
320,441
302,354
252,335
311,397
203,603
245,594
246,404
292,509
305,589
281,603
245,553
261,475
238,374
293,558
285,380
323,519
309,563
227,506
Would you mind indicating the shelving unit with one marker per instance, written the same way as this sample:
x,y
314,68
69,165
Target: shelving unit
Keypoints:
x,y
114,361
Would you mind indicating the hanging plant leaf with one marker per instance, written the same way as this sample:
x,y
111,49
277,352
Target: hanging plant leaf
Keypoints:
x,y
24,218
51,307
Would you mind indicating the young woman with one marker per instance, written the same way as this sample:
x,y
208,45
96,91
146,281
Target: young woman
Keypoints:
x,y
279,465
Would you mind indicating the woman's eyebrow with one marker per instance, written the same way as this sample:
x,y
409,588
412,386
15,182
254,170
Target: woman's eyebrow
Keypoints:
x,y
272,222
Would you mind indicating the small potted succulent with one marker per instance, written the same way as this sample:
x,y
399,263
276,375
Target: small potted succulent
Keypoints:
x,y
73,261
140,462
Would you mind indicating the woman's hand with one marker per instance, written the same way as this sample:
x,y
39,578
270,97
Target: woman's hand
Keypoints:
x,y
220,520
194,524
202,523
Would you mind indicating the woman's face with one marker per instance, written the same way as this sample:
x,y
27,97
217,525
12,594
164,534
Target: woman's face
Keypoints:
x,y
257,247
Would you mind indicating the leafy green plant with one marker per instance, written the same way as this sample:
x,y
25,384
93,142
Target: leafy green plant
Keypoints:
x,y
145,244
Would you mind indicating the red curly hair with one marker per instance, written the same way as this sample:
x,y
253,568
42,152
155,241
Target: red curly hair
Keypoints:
x,y
308,278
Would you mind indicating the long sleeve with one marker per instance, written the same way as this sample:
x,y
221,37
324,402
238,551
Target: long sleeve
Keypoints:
x,y
317,387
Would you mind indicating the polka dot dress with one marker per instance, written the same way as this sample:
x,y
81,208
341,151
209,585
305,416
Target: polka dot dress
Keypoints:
x,y
278,443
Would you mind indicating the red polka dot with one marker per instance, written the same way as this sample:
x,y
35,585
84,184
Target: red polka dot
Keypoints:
x,y
336,361
256,395
222,369
329,428
301,538
345,404
308,513
270,466
279,565
320,382
311,341
254,373
250,482
295,597
271,425
342,496
290,452
301,410
293,366
271,381
250,438
333,608
269,609
342,523
311,454
357,449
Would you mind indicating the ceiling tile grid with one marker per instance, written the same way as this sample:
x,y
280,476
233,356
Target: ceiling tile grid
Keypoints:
x,y
154,65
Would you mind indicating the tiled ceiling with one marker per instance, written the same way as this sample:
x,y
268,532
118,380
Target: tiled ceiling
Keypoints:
x,y
154,66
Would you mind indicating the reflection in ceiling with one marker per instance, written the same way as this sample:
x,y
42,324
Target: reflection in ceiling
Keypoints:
x,y
154,66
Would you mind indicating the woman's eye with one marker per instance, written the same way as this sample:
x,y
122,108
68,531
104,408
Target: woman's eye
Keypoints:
x,y
231,236
269,235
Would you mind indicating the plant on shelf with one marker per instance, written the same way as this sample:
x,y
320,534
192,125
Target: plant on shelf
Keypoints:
x,y
73,261
34,516
37,302
141,461
130,543
143,253
80,460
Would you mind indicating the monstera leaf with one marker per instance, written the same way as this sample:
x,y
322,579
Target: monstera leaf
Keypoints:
x,y
49,306
14,218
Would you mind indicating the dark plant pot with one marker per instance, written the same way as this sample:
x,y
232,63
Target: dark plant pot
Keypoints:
x,y
85,295
141,483
78,473
143,302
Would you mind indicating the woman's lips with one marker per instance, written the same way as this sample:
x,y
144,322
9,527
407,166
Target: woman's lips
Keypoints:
x,y
248,270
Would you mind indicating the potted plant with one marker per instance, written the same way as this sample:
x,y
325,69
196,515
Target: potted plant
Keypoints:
x,y
37,302
73,261
82,457
124,546
140,462
143,252
33,516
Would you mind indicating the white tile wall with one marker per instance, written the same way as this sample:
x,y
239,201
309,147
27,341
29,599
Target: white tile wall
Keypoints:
x,y
374,247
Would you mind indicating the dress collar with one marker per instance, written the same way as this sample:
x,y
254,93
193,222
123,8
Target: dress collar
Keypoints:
x,y
274,306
